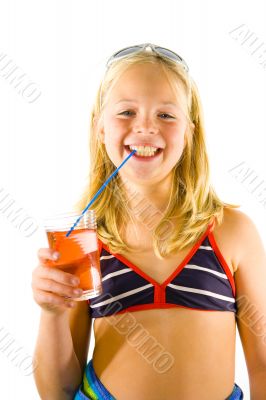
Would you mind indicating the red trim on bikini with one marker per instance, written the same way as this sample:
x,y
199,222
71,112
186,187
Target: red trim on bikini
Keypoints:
x,y
222,261
159,289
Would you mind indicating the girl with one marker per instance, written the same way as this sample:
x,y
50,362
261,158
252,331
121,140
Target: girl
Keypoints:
x,y
178,264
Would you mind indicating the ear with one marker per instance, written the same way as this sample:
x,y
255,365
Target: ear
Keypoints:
x,y
101,135
100,131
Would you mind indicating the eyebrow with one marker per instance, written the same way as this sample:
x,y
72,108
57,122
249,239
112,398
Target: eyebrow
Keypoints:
x,y
165,103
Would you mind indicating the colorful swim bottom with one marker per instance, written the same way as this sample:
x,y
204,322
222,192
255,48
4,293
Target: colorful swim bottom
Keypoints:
x,y
93,389
236,394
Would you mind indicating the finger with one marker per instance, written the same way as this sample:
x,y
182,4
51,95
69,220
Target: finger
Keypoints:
x,y
57,275
56,288
45,254
50,300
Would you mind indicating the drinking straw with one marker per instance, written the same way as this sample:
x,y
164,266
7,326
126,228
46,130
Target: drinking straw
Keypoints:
x,y
99,191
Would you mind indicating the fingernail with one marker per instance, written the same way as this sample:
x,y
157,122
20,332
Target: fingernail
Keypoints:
x,y
56,255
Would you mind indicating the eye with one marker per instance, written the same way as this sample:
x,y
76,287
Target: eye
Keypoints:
x,y
124,113
169,116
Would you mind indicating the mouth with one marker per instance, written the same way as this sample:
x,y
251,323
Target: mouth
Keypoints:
x,y
143,156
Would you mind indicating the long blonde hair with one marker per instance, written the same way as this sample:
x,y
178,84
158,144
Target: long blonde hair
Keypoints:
x,y
192,200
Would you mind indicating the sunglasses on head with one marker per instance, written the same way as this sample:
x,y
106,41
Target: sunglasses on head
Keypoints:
x,y
162,51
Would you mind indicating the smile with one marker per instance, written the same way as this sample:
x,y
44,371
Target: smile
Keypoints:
x,y
142,153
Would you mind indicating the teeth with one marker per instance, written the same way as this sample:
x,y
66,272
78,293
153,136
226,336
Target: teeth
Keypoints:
x,y
144,150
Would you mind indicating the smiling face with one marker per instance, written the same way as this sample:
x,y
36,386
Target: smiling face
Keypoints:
x,y
138,111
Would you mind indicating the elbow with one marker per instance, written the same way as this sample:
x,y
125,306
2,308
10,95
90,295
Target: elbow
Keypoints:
x,y
55,391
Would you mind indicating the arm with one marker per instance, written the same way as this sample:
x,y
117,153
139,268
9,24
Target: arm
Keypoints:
x,y
250,279
61,352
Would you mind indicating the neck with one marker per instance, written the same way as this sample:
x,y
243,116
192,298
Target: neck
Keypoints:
x,y
148,202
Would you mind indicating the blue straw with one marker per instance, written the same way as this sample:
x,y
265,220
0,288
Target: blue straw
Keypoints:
x,y
99,191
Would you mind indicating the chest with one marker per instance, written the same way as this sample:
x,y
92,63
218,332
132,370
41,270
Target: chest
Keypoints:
x,y
159,269
156,268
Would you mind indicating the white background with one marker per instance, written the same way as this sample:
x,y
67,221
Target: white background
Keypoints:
x,y
62,46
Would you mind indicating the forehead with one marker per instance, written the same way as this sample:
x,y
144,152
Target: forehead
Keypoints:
x,y
146,80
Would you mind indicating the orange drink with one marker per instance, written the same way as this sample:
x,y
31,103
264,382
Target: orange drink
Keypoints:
x,y
79,253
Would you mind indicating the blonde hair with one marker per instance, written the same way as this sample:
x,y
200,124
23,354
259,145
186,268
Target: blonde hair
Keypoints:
x,y
192,200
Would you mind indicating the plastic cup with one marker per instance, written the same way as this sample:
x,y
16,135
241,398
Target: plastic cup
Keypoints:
x,y
79,254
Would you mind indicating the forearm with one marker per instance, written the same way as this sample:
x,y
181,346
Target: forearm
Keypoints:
x,y
58,373
257,383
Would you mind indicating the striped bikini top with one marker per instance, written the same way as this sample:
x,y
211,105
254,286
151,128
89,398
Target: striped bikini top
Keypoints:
x,y
203,281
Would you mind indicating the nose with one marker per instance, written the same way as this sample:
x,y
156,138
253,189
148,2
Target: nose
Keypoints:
x,y
145,125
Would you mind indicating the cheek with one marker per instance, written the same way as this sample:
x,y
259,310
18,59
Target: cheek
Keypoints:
x,y
116,134
113,141
176,137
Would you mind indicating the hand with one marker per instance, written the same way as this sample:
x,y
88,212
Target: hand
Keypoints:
x,y
53,289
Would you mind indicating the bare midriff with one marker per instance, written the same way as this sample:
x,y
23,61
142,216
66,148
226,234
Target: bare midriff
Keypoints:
x,y
198,345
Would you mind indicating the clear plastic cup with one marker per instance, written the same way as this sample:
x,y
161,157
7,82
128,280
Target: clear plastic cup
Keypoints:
x,y
79,254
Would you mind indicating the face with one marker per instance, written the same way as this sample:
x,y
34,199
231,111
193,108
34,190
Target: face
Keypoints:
x,y
136,114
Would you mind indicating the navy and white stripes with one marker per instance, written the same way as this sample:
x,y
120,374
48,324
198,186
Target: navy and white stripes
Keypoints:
x,y
204,282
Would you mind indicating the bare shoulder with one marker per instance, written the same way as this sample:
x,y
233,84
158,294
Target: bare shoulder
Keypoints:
x,y
237,234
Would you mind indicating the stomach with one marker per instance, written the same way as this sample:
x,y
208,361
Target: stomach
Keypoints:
x,y
173,353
